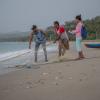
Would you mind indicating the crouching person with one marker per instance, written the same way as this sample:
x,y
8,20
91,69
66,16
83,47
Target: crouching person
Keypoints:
x,y
40,39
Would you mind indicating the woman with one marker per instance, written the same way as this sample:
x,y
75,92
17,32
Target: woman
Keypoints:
x,y
62,38
77,32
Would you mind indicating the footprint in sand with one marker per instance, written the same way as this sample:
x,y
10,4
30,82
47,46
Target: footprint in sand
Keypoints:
x,y
83,76
40,81
29,85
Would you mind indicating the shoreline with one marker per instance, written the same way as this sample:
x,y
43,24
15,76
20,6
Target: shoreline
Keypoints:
x,y
14,54
27,58
71,80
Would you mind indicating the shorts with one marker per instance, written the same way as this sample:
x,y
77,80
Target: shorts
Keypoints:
x,y
78,44
65,42
37,45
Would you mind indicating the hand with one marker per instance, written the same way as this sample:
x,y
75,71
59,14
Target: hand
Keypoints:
x,y
69,31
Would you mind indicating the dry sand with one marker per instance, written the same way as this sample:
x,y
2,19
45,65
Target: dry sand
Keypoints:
x,y
66,80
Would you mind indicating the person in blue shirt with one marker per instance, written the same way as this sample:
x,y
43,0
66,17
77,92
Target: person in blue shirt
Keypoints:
x,y
40,39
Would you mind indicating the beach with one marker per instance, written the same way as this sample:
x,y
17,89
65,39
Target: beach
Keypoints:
x,y
56,80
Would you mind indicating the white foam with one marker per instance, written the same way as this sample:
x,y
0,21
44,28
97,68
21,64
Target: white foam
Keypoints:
x,y
10,55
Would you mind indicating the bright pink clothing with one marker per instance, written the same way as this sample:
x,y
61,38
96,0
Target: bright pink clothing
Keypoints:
x,y
77,31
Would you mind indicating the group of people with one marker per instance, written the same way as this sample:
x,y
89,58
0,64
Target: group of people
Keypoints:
x,y
61,37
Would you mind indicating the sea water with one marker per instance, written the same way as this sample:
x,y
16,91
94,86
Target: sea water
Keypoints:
x,y
10,50
6,47
13,49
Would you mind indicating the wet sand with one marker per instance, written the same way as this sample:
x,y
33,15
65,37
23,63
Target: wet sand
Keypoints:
x,y
65,80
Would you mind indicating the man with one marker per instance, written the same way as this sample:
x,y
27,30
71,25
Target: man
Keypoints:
x,y
62,38
40,39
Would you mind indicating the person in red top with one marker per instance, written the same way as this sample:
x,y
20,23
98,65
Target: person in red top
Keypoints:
x,y
62,38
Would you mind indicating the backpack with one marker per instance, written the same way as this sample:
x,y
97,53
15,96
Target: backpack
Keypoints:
x,y
84,32
40,37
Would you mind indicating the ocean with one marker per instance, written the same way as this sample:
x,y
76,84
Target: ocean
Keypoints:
x,y
13,49
11,54
6,47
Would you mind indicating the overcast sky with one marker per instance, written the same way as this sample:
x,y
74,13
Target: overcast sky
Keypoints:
x,y
20,15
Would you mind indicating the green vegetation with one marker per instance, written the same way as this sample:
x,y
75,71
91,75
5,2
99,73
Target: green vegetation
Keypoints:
x,y
92,25
14,37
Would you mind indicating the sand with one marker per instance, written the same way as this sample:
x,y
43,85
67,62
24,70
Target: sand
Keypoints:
x,y
66,80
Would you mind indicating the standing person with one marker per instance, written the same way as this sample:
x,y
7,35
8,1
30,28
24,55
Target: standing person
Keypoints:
x,y
77,32
62,38
40,39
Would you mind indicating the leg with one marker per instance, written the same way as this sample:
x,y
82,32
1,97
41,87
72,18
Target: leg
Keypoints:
x,y
79,49
63,50
60,48
36,50
81,54
65,46
45,51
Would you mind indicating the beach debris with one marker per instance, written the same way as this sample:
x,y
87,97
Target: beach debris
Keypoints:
x,y
29,85
83,76
40,81
55,83
70,78
94,69
92,65
36,67
81,80
20,66
20,83
44,74
59,72
56,78
61,77
68,65
29,67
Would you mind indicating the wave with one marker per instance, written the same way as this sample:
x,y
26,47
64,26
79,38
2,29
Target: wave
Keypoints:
x,y
9,55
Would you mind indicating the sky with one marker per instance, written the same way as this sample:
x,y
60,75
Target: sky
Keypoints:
x,y
20,15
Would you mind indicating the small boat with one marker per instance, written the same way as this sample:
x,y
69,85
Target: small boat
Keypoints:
x,y
93,45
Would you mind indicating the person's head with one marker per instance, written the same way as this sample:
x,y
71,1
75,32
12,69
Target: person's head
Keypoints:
x,y
56,24
78,18
34,28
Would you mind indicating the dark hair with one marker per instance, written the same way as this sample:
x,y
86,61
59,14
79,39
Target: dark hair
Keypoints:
x,y
56,22
34,27
79,17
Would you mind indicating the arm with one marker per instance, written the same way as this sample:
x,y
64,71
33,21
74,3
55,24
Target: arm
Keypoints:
x,y
57,37
77,30
30,39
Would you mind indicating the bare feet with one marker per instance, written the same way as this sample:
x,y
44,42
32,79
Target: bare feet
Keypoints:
x,y
80,58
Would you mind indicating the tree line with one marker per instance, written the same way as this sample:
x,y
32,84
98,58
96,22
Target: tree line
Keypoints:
x,y
92,25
